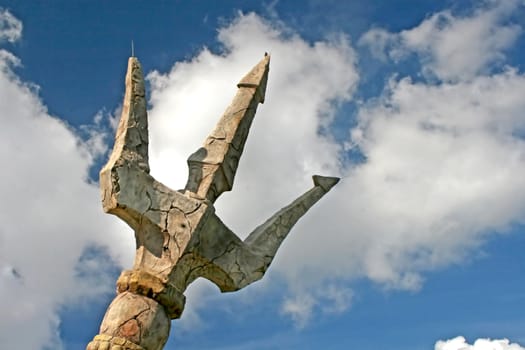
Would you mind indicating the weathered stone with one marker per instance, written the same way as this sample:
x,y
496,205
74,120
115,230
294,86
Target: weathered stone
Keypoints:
x,y
143,283
102,341
179,237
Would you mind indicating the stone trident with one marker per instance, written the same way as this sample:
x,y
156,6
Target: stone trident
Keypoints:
x,y
179,238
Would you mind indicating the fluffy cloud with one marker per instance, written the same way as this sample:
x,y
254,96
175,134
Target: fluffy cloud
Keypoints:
x,y
285,146
453,47
331,299
10,27
49,214
436,155
459,343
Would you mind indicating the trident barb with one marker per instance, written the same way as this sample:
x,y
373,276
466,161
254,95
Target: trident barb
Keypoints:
x,y
179,237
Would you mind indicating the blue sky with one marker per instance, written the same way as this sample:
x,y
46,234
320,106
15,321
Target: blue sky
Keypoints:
x,y
417,105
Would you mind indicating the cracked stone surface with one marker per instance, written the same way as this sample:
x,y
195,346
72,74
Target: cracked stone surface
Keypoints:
x,y
178,235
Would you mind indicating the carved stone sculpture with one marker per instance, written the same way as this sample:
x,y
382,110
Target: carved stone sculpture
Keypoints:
x,y
179,238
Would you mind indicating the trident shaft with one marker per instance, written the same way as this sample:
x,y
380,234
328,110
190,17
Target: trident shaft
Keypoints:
x,y
178,235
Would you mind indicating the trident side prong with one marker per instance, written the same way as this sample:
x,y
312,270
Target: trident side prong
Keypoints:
x,y
232,264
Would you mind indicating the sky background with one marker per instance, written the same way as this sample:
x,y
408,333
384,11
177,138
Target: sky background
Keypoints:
x,y
417,105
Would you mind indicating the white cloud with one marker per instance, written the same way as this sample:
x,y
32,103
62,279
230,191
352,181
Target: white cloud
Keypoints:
x,y
299,308
453,47
284,147
460,343
441,172
330,299
10,26
436,156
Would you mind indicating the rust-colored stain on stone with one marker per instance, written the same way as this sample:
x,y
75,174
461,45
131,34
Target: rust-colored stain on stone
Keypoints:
x,y
129,329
